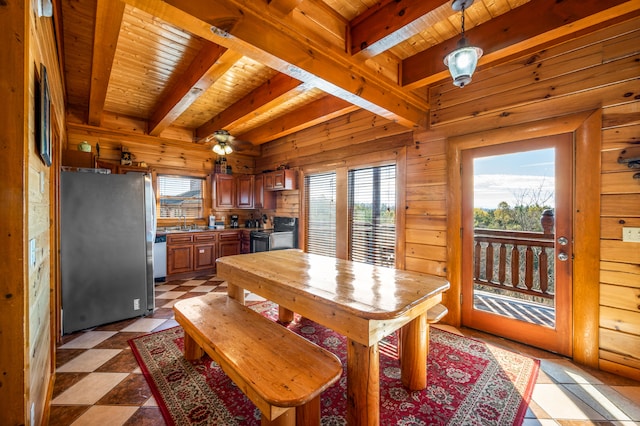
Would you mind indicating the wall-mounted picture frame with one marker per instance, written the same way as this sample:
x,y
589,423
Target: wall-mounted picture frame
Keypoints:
x,y
44,118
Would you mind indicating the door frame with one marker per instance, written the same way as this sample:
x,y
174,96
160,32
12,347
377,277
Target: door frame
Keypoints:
x,y
587,131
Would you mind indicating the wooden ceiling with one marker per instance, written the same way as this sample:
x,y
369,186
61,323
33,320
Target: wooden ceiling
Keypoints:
x,y
262,69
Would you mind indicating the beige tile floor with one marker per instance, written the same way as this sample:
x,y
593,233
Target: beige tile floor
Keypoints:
x,y
98,381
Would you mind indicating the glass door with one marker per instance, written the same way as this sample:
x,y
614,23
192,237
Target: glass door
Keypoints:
x,y
517,242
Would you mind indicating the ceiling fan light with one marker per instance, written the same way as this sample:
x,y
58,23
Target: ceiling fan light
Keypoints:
x,y
227,149
462,63
218,149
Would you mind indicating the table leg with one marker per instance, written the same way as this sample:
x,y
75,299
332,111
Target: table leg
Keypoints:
x,y
235,292
285,315
414,345
363,384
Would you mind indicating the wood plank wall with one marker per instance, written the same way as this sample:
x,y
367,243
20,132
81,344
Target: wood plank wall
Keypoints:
x,y
28,351
596,72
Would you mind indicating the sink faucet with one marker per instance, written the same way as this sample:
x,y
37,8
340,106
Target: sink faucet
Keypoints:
x,y
184,221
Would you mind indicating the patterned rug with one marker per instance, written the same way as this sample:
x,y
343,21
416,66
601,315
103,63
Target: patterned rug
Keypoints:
x,y
469,382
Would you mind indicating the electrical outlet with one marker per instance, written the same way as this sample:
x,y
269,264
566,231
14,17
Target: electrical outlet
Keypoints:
x,y
32,252
630,235
136,304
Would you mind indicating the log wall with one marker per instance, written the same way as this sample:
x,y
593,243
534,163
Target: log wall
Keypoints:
x,y
591,79
27,358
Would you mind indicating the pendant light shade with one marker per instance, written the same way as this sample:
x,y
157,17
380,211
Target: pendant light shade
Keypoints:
x,y
462,62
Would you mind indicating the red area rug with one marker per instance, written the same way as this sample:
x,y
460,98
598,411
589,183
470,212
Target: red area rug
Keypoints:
x,y
469,382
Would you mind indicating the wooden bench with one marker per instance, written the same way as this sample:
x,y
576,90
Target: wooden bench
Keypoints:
x,y
282,373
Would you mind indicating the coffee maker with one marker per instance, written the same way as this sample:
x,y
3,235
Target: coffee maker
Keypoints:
x,y
234,220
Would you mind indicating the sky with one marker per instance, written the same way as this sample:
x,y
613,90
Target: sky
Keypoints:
x,y
499,178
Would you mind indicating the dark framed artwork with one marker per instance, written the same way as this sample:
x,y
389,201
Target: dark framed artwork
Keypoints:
x,y
44,116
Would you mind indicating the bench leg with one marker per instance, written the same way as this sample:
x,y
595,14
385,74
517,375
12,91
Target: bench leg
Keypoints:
x,y
309,413
286,419
235,292
414,347
192,350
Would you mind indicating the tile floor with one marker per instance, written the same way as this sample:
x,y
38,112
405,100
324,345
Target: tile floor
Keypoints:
x,y
98,381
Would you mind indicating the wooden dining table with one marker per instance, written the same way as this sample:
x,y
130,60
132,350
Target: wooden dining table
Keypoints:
x,y
363,302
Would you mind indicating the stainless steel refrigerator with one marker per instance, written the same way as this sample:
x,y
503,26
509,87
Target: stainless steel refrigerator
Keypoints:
x,y
107,234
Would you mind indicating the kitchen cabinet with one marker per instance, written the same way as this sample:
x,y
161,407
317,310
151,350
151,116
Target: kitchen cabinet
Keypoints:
x,y
229,243
262,199
224,191
179,254
244,191
204,251
280,180
77,158
233,191
189,253
245,241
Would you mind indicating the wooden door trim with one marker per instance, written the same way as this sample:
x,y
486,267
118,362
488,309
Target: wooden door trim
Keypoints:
x,y
586,219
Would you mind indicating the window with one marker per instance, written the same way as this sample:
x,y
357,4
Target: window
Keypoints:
x,y
320,202
372,215
180,196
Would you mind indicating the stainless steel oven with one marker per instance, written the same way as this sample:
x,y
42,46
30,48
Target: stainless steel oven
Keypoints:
x,y
284,235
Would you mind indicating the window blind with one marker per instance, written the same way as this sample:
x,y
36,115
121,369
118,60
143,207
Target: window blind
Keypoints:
x,y
372,215
320,200
180,196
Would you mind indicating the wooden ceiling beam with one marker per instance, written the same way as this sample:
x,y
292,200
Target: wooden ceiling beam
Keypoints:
x,y
309,115
529,26
282,44
283,7
206,68
389,23
272,93
105,40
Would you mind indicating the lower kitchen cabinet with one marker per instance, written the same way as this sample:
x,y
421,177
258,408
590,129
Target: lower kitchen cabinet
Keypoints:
x,y
196,252
179,259
245,241
204,251
229,243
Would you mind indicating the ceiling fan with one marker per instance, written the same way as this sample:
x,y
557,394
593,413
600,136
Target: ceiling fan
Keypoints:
x,y
225,143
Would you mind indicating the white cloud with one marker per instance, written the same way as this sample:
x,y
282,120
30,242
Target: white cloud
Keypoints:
x,y
492,189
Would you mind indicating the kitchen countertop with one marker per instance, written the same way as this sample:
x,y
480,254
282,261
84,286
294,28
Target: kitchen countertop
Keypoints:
x,y
191,231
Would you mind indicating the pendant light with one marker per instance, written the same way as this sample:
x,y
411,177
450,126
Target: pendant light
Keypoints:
x,y
462,61
223,138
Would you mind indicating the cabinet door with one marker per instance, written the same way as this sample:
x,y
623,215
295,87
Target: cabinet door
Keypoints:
x,y
262,199
278,179
229,248
179,259
244,188
268,181
204,256
245,242
224,191
229,243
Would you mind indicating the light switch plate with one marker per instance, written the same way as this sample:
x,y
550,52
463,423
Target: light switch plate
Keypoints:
x,y
630,235
32,252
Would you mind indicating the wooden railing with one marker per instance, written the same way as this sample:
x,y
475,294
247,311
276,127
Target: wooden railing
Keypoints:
x,y
514,261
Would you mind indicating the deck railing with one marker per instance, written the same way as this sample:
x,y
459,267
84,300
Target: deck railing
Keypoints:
x,y
514,261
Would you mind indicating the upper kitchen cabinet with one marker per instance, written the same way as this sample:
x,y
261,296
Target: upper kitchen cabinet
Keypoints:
x,y
262,199
233,191
244,191
280,180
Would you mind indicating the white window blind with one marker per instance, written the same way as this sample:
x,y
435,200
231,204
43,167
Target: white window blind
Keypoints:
x,y
180,196
372,215
320,203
